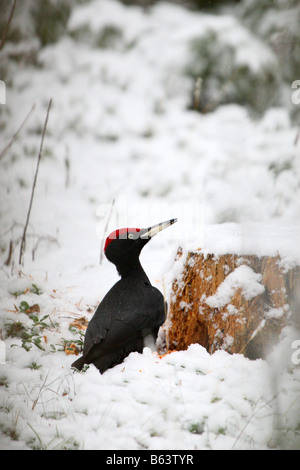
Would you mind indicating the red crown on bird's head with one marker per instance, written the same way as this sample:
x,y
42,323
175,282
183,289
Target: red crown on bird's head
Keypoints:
x,y
120,234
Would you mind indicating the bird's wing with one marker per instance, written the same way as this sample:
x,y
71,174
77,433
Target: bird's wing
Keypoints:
x,y
101,321
124,314
144,310
94,334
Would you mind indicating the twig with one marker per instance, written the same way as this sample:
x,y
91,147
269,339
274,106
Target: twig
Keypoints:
x,y
67,166
40,391
7,262
22,247
42,238
105,229
252,416
197,93
4,34
39,439
14,137
297,138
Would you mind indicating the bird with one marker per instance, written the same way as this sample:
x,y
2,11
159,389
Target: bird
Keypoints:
x,y
131,310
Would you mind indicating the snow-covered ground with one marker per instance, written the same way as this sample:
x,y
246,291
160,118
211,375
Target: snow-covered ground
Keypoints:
x,y
122,148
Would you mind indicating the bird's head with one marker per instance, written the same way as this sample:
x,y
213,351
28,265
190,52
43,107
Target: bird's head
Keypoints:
x,y
123,246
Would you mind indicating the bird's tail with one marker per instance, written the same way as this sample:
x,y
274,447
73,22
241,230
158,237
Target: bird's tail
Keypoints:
x,y
79,363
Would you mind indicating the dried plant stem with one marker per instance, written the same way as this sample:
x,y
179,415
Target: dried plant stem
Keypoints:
x,y
4,34
197,93
14,137
297,138
23,241
105,230
10,250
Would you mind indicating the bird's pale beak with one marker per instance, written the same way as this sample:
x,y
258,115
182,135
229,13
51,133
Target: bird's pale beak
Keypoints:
x,y
151,231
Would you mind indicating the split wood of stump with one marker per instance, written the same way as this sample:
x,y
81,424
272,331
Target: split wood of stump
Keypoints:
x,y
249,326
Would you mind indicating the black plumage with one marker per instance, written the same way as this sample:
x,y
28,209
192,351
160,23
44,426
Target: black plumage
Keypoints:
x,y
131,310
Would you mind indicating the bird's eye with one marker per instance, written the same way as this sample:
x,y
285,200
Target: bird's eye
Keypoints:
x,y
131,236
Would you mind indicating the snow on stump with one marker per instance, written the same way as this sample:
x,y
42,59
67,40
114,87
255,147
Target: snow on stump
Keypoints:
x,y
231,302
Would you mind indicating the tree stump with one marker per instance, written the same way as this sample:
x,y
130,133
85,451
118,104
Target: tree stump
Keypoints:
x,y
231,302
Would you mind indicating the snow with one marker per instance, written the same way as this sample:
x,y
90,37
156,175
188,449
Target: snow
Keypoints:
x,y
122,149
243,278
